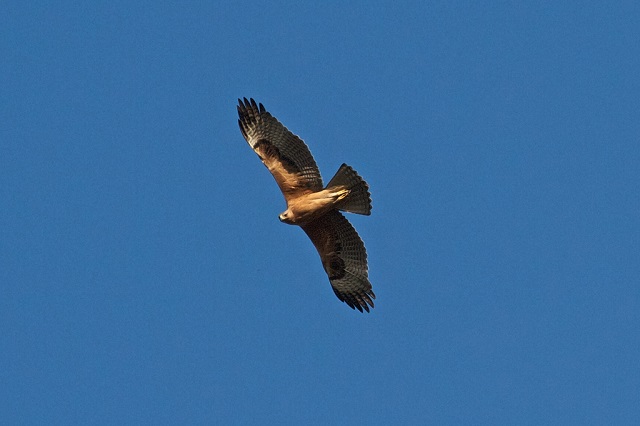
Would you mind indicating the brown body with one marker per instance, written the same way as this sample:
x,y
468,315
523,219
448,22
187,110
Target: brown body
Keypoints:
x,y
308,207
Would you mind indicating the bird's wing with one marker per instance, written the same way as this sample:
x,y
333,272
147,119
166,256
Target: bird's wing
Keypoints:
x,y
286,156
344,259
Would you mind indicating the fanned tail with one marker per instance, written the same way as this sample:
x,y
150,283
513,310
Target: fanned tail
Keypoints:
x,y
359,200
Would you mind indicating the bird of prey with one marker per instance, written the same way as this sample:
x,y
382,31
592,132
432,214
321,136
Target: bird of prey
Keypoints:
x,y
313,206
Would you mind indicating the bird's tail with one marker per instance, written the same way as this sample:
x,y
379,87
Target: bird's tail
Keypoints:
x,y
359,200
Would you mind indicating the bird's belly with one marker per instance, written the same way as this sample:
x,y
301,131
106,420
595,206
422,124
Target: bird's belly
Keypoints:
x,y
309,207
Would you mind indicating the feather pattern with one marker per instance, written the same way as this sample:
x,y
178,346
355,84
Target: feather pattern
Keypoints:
x,y
286,156
344,259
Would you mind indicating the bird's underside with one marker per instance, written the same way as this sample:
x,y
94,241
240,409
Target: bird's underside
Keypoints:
x,y
312,206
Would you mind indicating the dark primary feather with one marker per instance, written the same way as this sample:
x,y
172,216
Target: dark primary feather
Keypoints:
x,y
344,258
265,133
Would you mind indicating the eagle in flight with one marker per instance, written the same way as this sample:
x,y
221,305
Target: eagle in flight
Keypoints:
x,y
313,206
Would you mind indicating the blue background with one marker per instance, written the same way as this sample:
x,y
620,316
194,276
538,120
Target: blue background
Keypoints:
x,y
145,277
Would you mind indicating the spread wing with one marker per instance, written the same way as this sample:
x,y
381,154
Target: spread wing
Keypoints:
x,y
285,155
344,259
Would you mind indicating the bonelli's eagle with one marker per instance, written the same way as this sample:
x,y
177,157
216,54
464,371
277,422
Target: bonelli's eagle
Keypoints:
x,y
311,205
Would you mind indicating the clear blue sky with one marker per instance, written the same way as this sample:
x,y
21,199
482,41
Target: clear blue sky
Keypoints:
x,y
145,277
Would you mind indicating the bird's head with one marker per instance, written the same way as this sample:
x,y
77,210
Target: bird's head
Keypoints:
x,y
284,217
